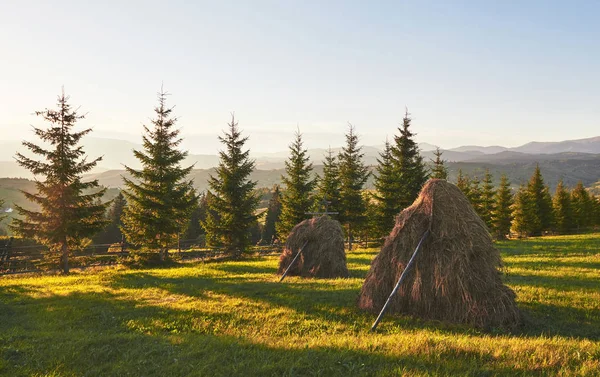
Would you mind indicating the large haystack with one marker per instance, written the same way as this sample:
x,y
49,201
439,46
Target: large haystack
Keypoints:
x,y
323,256
454,277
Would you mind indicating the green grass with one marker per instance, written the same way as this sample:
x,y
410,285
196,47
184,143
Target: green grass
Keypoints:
x,y
233,318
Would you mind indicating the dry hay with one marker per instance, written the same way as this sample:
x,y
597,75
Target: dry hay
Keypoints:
x,y
454,277
323,256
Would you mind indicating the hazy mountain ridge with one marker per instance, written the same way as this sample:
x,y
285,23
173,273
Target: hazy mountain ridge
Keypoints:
x,y
117,153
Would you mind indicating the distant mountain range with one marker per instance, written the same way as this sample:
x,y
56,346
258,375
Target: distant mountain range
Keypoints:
x,y
571,160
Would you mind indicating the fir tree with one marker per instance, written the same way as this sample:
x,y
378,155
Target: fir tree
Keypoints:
x,y
353,175
525,218
159,196
463,183
502,213
328,186
235,200
386,194
487,202
112,232
596,203
296,199
410,170
70,209
269,233
194,228
542,202
2,213
475,195
211,221
439,169
583,207
563,214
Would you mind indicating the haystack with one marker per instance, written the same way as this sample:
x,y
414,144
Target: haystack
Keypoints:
x,y
323,256
455,275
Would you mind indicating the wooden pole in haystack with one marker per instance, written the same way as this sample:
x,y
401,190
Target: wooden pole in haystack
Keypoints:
x,y
292,262
402,276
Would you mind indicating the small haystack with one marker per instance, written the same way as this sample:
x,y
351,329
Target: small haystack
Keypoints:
x,y
323,256
455,275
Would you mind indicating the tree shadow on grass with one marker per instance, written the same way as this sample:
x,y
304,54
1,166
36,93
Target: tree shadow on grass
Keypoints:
x,y
103,333
555,264
553,247
316,299
562,283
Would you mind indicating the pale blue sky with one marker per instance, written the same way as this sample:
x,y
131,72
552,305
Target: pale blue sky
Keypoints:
x,y
470,72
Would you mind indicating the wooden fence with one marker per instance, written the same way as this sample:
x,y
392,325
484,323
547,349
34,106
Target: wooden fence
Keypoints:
x,y
25,259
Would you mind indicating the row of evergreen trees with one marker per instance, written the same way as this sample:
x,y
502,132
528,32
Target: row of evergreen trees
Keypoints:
x,y
158,200
159,203
532,210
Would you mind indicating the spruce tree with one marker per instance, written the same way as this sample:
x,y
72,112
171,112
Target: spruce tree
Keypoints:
x,y
386,203
439,170
235,200
475,195
463,183
194,228
296,199
583,207
502,213
2,213
410,170
211,222
563,213
159,197
542,202
328,187
487,202
269,232
353,176
596,203
112,232
525,218
70,209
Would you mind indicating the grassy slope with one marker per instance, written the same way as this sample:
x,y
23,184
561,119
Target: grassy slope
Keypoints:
x,y
235,319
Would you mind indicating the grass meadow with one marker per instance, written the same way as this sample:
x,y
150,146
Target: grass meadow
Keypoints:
x,y
234,318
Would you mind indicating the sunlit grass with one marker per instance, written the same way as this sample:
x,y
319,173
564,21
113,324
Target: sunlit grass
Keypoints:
x,y
234,318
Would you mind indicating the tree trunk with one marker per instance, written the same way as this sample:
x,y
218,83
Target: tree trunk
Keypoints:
x,y
65,257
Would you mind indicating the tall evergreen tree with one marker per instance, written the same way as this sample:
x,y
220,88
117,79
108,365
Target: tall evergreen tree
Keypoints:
x,y
269,232
353,176
194,228
386,194
596,202
328,187
211,221
112,232
439,169
563,213
525,218
474,194
235,199
502,213
542,202
2,213
463,183
410,170
296,199
488,201
583,207
159,197
70,209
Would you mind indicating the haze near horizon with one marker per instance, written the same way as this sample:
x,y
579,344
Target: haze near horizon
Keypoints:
x,y
470,73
